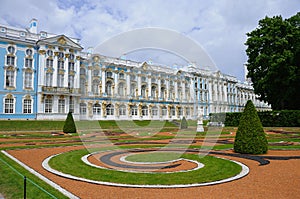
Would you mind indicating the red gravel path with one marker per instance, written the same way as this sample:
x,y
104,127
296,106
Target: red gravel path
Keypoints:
x,y
279,179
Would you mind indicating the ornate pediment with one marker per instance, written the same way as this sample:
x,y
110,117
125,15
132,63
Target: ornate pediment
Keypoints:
x,y
60,40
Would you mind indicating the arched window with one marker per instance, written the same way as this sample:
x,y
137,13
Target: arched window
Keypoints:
x,y
27,105
162,92
71,81
144,110
82,108
108,87
121,89
9,104
153,91
97,109
122,110
110,109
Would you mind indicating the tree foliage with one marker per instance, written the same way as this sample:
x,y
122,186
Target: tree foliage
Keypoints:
x,y
250,137
273,50
69,126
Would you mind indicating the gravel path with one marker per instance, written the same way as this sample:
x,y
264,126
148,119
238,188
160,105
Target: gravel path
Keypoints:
x,y
279,179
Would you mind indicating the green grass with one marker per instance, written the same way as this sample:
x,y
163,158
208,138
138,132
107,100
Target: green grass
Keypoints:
x,y
215,169
153,157
31,125
11,183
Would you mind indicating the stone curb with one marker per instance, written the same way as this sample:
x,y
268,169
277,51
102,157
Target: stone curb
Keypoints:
x,y
51,183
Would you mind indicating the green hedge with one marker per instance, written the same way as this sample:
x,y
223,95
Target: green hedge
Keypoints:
x,y
284,118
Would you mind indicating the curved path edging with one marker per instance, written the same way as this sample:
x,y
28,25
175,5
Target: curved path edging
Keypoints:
x,y
40,176
243,173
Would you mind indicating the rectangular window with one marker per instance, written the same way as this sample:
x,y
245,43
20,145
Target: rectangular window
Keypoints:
x,y
60,80
134,111
49,77
163,111
61,106
122,110
9,106
28,63
10,78
60,65
10,60
71,105
27,106
48,105
71,81
49,63
71,66
28,80
83,108
154,112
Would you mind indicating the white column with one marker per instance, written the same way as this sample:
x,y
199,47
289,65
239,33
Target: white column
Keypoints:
x,y
128,83
159,88
89,80
116,83
183,91
41,69
176,89
149,86
54,82
66,75
139,83
103,80
77,75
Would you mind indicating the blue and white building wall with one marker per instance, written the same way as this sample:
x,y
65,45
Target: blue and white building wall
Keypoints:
x,y
17,79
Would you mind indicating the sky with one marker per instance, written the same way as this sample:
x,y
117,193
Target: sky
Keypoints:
x,y
218,26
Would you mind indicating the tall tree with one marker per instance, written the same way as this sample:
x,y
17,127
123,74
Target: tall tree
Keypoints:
x,y
273,50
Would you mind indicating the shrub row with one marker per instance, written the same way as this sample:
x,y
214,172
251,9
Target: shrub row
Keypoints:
x,y
283,118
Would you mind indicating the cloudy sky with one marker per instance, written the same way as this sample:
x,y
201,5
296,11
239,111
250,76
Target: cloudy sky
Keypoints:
x,y
219,26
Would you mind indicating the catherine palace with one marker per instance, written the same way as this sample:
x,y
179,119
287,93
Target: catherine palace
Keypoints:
x,y
43,76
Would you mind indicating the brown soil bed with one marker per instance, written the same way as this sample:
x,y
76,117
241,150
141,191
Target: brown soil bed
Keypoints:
x,y
279,179
183,165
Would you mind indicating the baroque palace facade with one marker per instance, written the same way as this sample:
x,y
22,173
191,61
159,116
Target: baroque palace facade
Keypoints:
x,y
44,76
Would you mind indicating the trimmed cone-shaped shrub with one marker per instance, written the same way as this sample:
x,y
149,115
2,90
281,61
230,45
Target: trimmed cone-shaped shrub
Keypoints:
x,y
250,137
69,126
183,123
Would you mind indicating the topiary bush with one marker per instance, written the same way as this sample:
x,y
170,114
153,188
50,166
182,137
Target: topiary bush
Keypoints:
x,y
250,137
183,123
69,126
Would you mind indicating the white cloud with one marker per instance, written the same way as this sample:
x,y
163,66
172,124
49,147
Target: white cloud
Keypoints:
x,y
219,25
